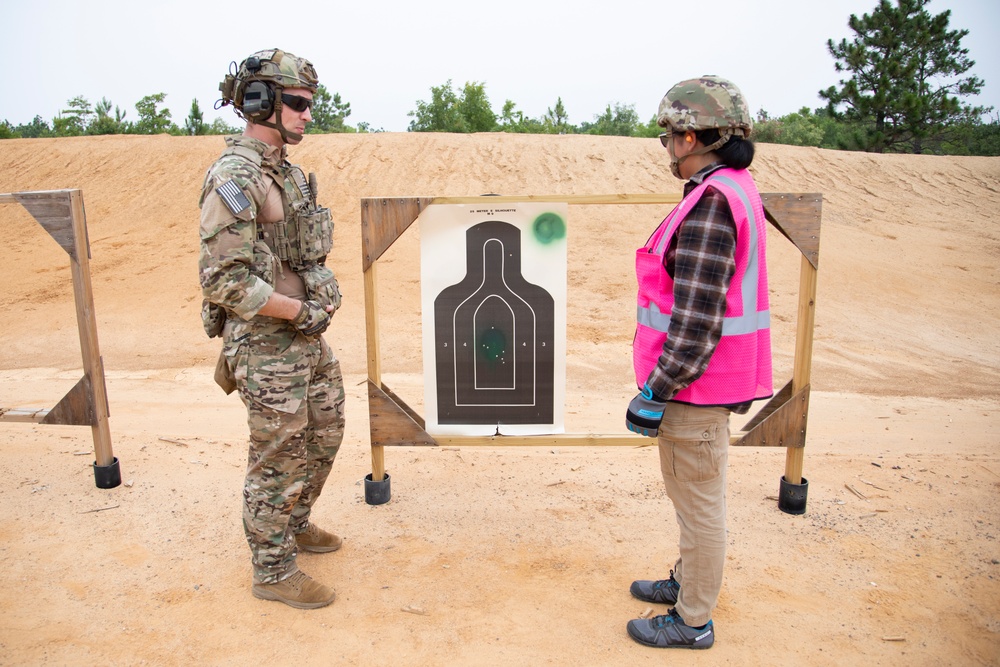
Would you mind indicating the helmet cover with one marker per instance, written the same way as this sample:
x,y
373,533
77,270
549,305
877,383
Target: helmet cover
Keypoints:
x,y
255,89
276,68
708,102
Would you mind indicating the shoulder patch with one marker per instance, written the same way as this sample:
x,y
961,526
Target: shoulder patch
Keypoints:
x,y
233,197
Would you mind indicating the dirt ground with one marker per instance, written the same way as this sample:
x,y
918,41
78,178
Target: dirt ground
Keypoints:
x,y
517,555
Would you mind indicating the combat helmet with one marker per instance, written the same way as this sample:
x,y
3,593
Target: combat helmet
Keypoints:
x,y
706,103
255,87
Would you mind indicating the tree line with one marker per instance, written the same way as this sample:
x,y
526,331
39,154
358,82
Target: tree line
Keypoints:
x,y
905,70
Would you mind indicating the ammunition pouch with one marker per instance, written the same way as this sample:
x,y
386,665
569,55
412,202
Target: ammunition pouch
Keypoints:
x,y
321,285
308,239
305,237
213,318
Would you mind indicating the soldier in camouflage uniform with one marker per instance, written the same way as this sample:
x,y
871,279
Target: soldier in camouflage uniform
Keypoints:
x,y
269,295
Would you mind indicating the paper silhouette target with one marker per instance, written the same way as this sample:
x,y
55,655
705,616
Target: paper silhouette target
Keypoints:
x,y
494,338
494,334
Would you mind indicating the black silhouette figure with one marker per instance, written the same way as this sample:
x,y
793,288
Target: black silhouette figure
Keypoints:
x,y
494,333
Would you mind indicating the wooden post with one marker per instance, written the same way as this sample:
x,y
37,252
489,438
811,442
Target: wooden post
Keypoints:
x,y
803,356
61,214
93,365
374,358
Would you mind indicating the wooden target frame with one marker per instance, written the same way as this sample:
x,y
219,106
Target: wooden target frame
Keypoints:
x,y
61,214
781,422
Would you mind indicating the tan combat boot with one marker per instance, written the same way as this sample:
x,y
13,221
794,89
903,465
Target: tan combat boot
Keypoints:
x,y
299,590
317,540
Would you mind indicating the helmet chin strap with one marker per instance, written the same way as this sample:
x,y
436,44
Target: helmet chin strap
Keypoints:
x,y
675,162
285,133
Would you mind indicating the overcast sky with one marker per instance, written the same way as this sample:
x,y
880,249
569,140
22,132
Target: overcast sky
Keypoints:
x,y
382,57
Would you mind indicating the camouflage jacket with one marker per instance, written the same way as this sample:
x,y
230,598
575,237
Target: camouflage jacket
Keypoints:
x,y
236,270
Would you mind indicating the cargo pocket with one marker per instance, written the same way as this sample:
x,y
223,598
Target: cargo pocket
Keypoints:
x,y
234,355
691,453
276,377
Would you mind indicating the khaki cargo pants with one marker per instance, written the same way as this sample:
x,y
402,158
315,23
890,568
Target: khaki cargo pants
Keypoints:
x,y
694,452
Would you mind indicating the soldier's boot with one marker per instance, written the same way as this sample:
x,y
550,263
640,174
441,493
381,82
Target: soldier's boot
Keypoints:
x,y
299,590
317,540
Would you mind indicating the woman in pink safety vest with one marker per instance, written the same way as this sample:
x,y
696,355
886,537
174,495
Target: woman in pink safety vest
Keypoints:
x,y
702,346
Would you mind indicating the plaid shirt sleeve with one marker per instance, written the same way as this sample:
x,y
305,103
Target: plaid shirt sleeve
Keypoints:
x,y
701,261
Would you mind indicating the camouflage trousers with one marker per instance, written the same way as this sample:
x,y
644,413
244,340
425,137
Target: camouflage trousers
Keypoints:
x,y
294,393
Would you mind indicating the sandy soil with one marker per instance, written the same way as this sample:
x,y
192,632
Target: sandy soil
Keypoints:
x,y
491,556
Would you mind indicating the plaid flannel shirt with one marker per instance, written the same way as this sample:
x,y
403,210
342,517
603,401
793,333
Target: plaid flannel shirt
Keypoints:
x,y
701,262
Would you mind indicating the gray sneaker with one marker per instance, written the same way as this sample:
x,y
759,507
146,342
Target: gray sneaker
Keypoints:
x,y
664,590
670,631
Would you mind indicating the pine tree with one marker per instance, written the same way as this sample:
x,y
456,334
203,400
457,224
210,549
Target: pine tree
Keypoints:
x,y
194,124
105,123
328,113
906,71
73,122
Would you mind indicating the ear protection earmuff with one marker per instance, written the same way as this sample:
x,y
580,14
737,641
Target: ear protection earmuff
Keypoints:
x,y
258,101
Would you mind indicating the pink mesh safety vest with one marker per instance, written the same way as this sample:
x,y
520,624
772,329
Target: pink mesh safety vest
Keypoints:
x,y
740,367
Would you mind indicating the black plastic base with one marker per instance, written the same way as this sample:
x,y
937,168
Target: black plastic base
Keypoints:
x,y
792,497
377,493
108,477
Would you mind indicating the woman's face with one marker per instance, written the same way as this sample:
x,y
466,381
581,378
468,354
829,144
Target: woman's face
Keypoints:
x,y
679,144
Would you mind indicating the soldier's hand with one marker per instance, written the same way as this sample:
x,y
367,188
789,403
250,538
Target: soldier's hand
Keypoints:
x,y
312,319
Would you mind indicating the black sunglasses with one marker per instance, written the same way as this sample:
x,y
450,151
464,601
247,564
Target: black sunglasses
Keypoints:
x,y
665,138
296,102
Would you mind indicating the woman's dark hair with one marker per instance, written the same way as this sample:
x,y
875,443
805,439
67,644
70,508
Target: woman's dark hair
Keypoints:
x,y
737,153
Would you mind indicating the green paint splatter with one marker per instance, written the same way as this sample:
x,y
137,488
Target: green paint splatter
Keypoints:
x,y
492,345
549,227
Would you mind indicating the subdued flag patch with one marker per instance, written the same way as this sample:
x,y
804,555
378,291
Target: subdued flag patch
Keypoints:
x,y
233,197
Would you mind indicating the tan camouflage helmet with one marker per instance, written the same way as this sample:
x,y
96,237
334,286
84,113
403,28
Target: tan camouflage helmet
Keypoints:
x,y
708,102
275,67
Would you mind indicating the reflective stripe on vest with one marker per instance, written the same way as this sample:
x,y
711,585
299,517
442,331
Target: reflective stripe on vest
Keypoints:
x,y
751,320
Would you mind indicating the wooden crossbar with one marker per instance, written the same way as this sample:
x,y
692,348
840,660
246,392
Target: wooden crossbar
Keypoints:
x,y
780,423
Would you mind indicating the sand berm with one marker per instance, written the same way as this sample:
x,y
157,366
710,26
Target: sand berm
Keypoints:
x,y
499,555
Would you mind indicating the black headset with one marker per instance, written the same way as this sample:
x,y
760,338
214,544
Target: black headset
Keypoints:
x,y
258,101
258,97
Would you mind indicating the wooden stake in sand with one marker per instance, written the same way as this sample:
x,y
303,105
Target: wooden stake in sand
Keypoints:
x,y
61,214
